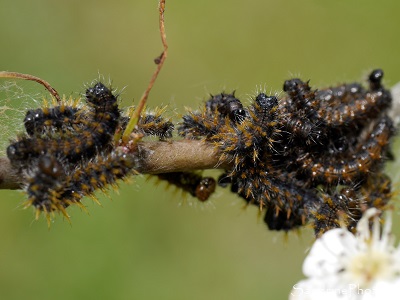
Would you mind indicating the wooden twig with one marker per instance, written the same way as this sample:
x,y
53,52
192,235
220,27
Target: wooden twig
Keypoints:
x,y
152,158
9,178
177,156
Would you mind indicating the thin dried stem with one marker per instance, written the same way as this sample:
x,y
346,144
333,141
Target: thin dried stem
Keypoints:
x,y
160,62
6,74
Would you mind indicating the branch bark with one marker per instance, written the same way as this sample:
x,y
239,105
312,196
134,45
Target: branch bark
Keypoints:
x,y
9,178
153,158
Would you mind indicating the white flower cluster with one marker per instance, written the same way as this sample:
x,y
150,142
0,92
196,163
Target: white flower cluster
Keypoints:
x,y
345,266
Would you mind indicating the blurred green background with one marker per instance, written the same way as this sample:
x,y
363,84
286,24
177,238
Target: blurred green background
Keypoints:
x,y
144,244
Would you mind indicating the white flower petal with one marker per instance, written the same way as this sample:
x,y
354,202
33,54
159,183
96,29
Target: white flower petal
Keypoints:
x,y
328,252
385,290
343,266
396,259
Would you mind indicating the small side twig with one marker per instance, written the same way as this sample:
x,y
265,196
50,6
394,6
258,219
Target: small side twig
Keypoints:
x,y
6,74
159,62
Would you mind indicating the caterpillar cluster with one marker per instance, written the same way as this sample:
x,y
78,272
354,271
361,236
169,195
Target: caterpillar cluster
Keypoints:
x,y
67,152
313,156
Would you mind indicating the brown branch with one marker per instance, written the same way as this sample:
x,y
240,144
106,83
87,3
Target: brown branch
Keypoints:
x,y
153,158
9,178
177,156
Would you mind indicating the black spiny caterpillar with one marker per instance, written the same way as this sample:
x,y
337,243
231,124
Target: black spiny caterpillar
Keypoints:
x,y
196,185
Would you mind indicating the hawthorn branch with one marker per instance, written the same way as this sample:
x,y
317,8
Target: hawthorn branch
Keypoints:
x,y
177,156
170,156
9,177
153,158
